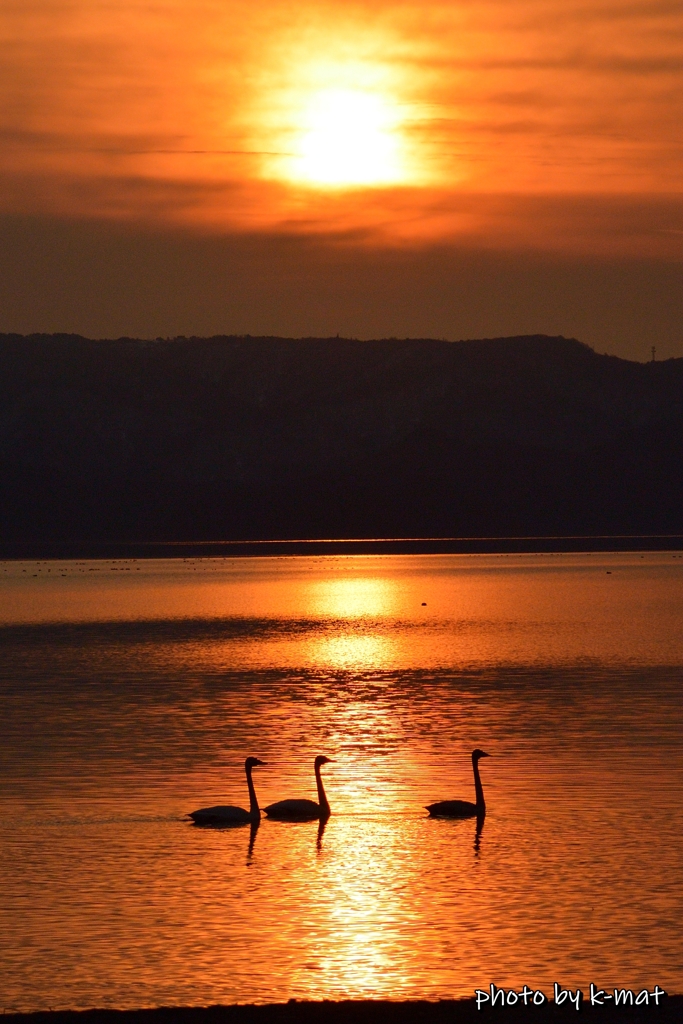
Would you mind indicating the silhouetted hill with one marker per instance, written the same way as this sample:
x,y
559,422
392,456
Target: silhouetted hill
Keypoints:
x,y
268,437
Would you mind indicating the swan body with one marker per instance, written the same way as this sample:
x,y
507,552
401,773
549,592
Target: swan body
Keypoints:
x,y
304,810
463,808
222,814
294,810
229,815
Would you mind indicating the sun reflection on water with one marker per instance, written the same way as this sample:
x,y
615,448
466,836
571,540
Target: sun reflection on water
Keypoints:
x,y
120,724
364,911
352,598
350,651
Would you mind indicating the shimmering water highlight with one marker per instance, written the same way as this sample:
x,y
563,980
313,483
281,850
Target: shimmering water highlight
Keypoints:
x,y
131,693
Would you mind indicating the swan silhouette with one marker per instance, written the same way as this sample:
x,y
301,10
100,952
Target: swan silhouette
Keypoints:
x,y
304,810
463,808
228,815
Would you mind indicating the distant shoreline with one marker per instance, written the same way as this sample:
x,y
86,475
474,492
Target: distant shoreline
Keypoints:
x,y
461,1011
70,549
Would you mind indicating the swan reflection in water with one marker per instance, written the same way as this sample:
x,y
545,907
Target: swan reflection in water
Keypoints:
x,y
227,814
304,810
252,839
477,833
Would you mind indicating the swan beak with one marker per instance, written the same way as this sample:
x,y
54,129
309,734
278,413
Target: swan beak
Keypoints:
x,y
261,763
484,754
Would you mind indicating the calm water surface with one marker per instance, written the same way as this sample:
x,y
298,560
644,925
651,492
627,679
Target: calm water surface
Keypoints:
x,y
131,692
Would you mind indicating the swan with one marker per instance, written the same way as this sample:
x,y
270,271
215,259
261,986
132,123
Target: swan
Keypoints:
x,y
304,810
229,815
463,808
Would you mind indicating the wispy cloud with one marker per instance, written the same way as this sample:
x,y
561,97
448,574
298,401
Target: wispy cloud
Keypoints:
x,y
188,111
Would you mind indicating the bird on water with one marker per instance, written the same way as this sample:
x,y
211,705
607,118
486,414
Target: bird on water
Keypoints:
x,y
304,810
228,815
464,808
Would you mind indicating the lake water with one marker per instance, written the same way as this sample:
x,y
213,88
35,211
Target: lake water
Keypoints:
x,y
132,691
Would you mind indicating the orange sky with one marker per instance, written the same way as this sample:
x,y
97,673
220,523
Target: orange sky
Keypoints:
x,y
206,112
540,124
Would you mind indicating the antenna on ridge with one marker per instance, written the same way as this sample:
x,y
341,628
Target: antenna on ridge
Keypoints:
x,y
653,353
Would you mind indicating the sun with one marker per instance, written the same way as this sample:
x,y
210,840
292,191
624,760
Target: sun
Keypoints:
x,y
348,138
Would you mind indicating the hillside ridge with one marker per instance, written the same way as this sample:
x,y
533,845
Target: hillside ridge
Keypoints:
x,y
239,437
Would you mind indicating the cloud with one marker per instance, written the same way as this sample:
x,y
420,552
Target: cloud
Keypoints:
x,y
176,111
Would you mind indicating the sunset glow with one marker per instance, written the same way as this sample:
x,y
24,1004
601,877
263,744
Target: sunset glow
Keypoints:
x,y
517,130
349,138
440,121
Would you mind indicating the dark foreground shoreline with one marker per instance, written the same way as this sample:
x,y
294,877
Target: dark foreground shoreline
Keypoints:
x,y
461,1011
111,549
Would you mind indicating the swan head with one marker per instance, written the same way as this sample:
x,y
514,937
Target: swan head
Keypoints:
x,y
321,760
252,762
476,754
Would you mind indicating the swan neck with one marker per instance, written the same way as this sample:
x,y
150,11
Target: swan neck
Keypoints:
x,y
254,810
478,788
322,799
